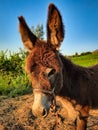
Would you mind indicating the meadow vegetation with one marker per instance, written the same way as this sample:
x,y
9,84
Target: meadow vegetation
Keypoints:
x,y
85,59
13,79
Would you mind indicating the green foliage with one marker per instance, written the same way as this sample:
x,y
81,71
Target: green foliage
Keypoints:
x,y
11,63
13,79
38,31
76,54
82,54
85,53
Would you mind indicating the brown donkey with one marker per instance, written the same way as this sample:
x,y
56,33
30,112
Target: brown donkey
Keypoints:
x,y
53,75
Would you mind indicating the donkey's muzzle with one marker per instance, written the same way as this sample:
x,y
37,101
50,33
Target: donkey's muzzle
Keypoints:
x,y
40,113
41,104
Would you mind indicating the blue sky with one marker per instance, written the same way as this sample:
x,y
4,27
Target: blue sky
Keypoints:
x,y
80,18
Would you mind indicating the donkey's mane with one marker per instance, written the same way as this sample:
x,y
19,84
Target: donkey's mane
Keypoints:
x,y
77,80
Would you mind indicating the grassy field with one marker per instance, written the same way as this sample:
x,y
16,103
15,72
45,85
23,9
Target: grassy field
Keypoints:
x,y
86,60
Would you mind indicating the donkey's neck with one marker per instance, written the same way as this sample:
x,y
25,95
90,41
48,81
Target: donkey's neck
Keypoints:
x,y
71,75
68,68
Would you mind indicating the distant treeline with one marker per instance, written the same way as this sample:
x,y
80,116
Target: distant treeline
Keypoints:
x,y
82,54
85,53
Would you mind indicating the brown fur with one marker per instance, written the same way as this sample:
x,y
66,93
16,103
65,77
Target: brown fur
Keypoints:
x,y
80,83
48,69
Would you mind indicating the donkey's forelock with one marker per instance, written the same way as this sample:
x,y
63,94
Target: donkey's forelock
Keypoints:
x,y
43,55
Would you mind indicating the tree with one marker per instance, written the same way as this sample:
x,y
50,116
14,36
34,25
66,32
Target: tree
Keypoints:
x,y
38,31
76,54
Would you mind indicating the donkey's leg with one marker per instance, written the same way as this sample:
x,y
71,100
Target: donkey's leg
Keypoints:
x,y
82,118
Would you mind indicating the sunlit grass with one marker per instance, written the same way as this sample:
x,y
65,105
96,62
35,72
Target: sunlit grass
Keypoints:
x,y
15,86
86,60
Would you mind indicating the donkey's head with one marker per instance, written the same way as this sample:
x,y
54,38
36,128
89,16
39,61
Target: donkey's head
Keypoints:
x,y
43,62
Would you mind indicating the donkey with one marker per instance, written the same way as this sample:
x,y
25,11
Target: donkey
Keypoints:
x,y
53,75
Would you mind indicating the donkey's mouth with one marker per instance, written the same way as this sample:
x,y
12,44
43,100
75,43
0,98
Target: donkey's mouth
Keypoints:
x,y
45,113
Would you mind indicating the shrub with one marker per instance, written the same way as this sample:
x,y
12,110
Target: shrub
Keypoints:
x,y
85,53
13,79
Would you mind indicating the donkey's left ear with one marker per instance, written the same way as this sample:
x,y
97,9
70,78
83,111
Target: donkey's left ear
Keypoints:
x,y
55,28
28,38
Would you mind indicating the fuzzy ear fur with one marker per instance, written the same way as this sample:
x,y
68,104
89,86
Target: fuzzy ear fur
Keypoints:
x,y
28,38
55,28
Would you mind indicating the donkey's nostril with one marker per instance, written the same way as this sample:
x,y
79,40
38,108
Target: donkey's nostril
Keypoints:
x,y
44,114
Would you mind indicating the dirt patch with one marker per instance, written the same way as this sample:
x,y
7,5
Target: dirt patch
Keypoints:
x,y
15,114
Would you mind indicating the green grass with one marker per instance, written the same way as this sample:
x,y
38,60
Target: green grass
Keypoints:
x,y
12,87
86,60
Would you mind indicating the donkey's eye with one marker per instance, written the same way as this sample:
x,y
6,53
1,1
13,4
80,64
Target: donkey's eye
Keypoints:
x,y
52,72
33,67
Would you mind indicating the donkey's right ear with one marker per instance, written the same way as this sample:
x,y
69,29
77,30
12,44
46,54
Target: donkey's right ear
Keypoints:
x,y
55,28
28,38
